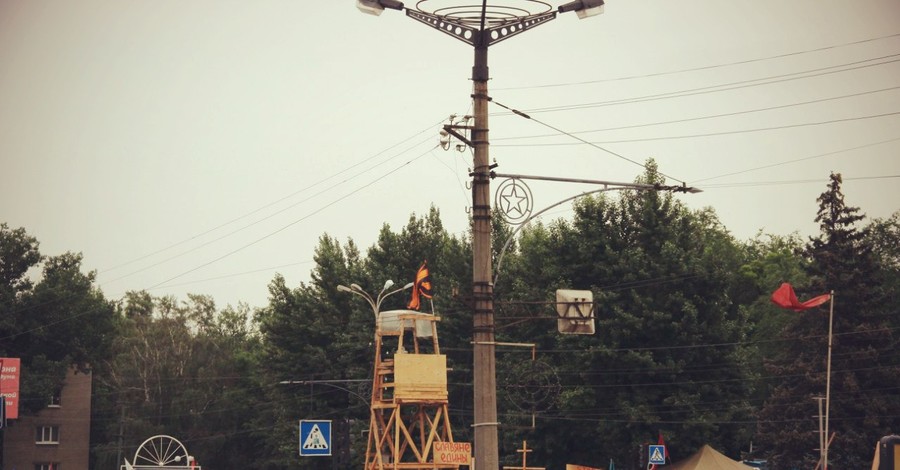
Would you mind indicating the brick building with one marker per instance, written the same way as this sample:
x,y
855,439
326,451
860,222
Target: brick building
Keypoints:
x,y
59,435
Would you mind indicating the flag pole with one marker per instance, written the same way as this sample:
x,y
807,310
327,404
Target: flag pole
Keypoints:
x,y
828,380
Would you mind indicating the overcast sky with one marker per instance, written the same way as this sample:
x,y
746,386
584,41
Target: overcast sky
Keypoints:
x,y
202,146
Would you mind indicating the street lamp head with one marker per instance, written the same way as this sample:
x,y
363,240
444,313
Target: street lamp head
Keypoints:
x,y
356,288
408,286
387,285
376,7
583,8
342,288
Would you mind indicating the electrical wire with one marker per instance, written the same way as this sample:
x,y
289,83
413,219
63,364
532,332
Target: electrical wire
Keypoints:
x,y
741,84
799,159
710,116
256,222
707,134
701,68
583,141
317,183
226,276
808,181
291,224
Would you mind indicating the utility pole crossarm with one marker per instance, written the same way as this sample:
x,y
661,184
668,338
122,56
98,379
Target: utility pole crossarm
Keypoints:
x,y
655,187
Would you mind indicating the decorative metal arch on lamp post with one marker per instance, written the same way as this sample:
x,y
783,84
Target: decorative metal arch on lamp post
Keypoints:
x,y
480,26
607,186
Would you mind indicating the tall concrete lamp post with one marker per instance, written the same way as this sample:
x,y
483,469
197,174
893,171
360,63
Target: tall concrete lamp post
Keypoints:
x,y
482,26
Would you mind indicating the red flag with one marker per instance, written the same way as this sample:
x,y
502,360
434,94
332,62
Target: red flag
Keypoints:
x,y
421,286
785,297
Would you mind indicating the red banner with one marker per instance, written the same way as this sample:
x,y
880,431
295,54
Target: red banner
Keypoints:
x,y
10,367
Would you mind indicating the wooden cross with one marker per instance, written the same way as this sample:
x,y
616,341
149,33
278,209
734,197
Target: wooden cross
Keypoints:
x,y
524,451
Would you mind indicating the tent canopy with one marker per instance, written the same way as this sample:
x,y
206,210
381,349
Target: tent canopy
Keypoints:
x,y
707,458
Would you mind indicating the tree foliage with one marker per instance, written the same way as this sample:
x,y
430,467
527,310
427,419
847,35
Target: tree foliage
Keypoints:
x,y
58,322
864,365
688,344
183,369
667,356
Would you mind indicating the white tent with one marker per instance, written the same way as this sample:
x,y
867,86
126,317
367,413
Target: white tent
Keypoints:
x,y
707,458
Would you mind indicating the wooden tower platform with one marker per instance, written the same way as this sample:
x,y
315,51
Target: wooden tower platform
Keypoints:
x,y
409,393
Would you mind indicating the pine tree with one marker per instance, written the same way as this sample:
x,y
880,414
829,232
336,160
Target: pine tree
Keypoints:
x,y
865,371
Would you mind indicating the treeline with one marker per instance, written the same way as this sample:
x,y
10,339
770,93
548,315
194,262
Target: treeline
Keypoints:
x,y
688,344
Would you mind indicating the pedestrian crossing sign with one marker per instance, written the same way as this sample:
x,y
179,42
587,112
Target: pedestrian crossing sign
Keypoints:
x,y
315,438
658,454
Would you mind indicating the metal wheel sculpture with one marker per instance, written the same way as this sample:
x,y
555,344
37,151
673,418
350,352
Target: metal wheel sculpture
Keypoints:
x,y
531,386
161,451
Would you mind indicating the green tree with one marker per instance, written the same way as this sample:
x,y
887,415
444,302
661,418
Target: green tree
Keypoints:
x,y
184,369
314,334
321,339
669,353
884,236
771,260
18,253
865,369
59,322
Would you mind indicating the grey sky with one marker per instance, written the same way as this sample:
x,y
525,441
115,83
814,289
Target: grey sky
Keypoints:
x,y
187,146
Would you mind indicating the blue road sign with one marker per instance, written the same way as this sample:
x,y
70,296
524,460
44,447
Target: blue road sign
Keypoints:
x,y
315,438
658,454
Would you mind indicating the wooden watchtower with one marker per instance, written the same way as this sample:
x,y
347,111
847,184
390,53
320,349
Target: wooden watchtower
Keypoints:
x,y
409,393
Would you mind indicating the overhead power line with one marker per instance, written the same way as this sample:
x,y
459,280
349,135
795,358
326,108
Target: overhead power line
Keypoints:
x,y
256,222
706,134
226,276
592,144
708,116
799,159
270,204
291,224
818,72
705,67
775,183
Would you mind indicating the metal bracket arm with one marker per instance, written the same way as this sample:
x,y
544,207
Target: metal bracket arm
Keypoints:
x,y
460,31
472,36
498,33
451,129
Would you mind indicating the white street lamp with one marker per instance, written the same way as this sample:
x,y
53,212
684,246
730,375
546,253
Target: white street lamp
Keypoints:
x,y
376,7
583,8
375,303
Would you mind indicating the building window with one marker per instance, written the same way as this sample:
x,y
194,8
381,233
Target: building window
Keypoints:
x,y
47,466
46,435
55,398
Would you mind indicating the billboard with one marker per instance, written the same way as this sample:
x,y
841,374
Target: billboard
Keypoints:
x,y
10,368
